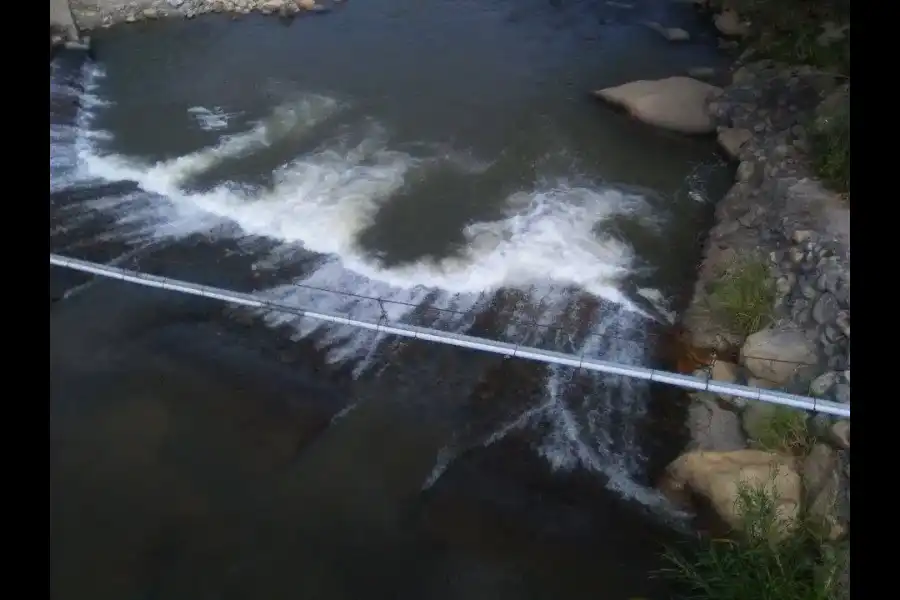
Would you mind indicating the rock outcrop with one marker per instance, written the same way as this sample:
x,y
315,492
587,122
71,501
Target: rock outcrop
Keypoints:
x,y
675,103
778,214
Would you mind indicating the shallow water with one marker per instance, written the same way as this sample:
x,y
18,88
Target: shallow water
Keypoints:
x,y
441,156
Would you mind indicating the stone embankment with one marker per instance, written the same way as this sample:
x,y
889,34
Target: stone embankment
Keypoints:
x,y
93,14
779,216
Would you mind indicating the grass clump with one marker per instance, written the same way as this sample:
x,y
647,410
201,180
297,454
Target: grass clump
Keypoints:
x,y
783,430
743,296
770,558
830,145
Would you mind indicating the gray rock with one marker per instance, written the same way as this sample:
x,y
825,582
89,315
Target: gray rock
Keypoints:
x,y
175,3
747,172
826,309
712,427
829,280
785,284
808,290
822,384
777,354
841,393
842,295
831,335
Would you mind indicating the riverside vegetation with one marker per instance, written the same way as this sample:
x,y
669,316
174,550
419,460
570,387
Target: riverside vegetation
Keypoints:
x,y
783,543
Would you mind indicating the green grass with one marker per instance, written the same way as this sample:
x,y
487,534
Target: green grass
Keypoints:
x,y
786,431
831,149
763,561
743,297
789,31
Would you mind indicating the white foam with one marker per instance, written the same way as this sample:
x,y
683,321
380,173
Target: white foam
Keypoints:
x,y
211,119
544,244
324,200
70,141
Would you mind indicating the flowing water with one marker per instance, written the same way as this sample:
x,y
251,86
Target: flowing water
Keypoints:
x,y
436,163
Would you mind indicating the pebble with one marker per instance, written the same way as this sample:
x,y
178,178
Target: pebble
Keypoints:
x,y
842,320
826,309
785,284
841,393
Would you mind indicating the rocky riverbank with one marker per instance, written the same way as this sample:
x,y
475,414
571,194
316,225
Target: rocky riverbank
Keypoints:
x,y
93,14
771,306
784,224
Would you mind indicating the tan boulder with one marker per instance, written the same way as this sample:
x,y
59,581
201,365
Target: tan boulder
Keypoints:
x,y
731,140
718,477
839,435
821,483
730,24
776,355
675,103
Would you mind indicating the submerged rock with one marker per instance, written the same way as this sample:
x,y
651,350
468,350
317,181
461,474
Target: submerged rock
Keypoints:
x,y
672,34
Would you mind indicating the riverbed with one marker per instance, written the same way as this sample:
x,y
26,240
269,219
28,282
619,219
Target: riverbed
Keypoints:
x,y
435,163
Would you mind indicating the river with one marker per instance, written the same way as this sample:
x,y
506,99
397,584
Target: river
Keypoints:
x,y
443,157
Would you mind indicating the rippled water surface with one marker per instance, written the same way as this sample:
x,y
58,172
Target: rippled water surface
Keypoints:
x,y
436,163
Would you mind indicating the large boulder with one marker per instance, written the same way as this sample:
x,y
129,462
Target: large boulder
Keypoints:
x,y
675,103
777,355
716,478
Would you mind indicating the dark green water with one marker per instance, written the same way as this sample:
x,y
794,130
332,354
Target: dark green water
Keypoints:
x,y
438,155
